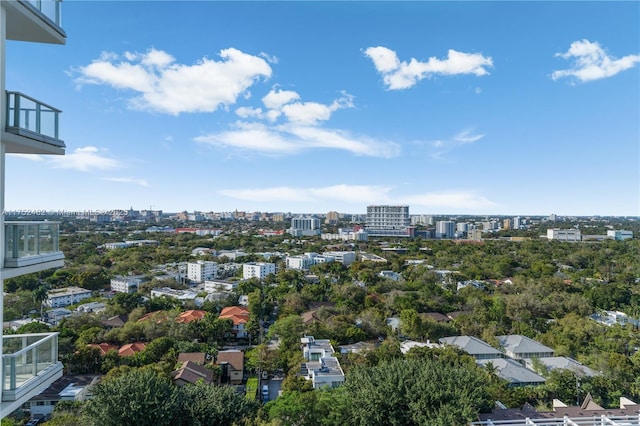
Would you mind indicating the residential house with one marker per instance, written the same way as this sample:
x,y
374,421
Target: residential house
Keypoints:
x,y
192,373
190,316
513,372
131,349
521,347
195,357
103,347
239,315
55,316
66,388
474,347
232,364
321,366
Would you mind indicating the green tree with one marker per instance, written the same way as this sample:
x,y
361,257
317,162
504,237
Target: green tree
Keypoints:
x,y
417,392
140,397
206,405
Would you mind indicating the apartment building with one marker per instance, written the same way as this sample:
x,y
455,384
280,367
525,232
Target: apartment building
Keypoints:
x,y
258,270
304,226
27,126
129,284
388,221
202,270
62,297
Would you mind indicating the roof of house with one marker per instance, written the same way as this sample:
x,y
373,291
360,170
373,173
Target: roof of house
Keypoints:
x,y
158,316
196,357
131,349
512,371
104,347
309,317
233,357
471,345
116,321
238,314
564,363
191,372
188,316
436,316
66,386
518,344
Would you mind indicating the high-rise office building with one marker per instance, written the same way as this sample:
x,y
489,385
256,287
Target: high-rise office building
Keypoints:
x,y
29,126
390,221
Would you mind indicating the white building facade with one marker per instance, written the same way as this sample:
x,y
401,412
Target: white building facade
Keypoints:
x,y
202,270
130,284
258,270
62,297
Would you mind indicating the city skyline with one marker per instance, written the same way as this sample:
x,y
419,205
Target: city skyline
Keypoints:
x,y
450,108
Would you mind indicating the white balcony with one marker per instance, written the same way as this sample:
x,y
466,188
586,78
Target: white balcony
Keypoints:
x,y
32,126
29,365
31,246
37,21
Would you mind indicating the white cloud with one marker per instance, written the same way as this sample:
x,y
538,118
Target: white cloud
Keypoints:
x,y
294,138
441,147
85,159
403,75
299,132
246,112
168,87
275,99
135,181
364,194
591,62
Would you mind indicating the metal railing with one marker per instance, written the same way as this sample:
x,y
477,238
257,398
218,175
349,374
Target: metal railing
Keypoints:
x,y
30,238
595,420
25,113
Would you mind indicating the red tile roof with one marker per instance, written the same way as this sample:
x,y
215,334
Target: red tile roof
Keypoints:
x,y
131,349
188,316
238,314
104,347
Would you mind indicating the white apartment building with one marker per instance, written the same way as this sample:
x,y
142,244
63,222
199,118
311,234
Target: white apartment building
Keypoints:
x,y
129,284
258,270
62,297
570,235
202,270
344,257
347,235
302,226
305,261
301,262
391,221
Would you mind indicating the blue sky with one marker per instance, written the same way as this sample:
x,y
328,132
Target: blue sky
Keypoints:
x,y
451,108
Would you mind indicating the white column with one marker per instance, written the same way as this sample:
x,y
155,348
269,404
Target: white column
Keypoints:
x,y
3,115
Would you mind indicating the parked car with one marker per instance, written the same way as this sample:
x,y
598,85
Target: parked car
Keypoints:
x,y
265,393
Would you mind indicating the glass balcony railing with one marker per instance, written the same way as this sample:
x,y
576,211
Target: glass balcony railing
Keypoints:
x,y
51,9
29,117
26,358
30,242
